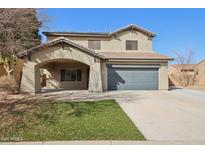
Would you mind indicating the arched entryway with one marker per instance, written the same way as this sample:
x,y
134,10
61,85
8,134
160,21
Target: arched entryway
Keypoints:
x,y
63,74
61,57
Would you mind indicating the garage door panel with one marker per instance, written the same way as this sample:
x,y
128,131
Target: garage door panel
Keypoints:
x,y
132,78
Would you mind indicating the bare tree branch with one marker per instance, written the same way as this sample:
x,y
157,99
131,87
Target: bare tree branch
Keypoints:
x,y
185,75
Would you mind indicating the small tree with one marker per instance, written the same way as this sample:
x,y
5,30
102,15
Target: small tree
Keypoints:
x,y
7,59
19,30
184,61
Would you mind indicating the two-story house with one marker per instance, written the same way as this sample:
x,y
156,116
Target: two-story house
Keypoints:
x,y
120,60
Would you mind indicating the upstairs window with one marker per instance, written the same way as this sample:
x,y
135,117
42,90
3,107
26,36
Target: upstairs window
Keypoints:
x,y
131,45
71,75
94,44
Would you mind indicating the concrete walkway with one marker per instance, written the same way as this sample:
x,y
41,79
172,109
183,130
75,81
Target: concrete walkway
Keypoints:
x,y
177,115
104,143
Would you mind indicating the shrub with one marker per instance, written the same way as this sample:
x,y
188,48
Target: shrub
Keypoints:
x,y
8,84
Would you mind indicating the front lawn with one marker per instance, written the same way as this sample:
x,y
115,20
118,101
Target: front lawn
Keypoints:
x,y
62,120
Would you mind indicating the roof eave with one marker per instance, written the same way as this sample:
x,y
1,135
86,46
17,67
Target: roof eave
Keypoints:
x,y
75,35
140,59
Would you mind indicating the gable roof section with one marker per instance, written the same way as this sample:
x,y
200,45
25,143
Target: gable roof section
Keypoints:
x,y
100,34
56,41
134,27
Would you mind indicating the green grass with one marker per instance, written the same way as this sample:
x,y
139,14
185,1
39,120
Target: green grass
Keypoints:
x,y
62,120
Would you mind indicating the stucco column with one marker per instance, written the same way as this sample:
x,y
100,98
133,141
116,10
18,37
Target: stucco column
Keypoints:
x,y
163,77
30,81
104,75
95,79
37,80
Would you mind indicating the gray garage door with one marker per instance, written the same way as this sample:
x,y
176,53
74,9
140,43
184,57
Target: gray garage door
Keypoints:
x,y
132,78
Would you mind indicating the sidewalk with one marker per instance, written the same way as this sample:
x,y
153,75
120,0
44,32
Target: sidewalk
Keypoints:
x,y
105,143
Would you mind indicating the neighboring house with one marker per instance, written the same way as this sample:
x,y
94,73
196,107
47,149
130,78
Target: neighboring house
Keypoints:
x,y
121,60
193,73
200,72
181,74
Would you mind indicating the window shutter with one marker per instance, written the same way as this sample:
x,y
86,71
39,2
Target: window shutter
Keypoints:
x,y
131,45
62,75
94,44
128,45
90,44
78,75
73,75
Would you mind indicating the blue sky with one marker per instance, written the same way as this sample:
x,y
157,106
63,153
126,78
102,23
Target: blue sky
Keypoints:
x,y
176,29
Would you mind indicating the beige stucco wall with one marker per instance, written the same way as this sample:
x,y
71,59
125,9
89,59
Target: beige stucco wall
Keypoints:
x,y
28,81
52,71
174,76
162,76
115,43
200,68
31,70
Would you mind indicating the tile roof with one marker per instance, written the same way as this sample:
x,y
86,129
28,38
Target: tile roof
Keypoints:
x,y
187,66
135,55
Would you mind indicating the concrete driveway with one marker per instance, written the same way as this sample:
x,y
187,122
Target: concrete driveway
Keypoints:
x,y
177,115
